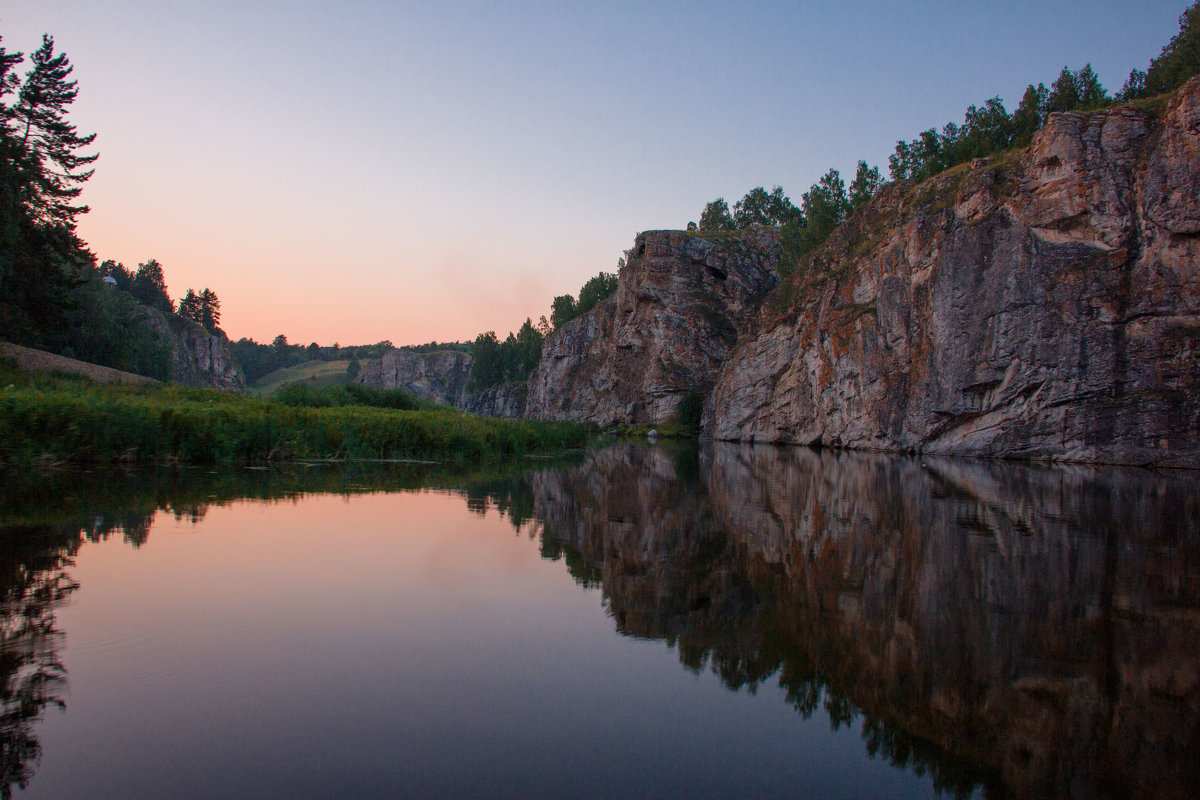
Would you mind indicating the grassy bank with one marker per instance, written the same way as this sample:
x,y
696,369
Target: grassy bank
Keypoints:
x,y
59,418
317,374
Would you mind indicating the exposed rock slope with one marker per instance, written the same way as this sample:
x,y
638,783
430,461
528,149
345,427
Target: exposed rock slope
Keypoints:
x,y
1049,308
441,375
680,305
198,357
506,401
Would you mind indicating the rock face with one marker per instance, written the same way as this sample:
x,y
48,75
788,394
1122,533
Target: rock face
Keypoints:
x,y
506,401
440,375
681,304
198,358
1049,308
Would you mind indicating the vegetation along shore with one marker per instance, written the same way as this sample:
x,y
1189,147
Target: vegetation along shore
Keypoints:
x,y
56,418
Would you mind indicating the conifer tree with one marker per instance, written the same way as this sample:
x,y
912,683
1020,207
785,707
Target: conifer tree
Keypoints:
x,y
150,286
1179,60
47,145
189,306
210,309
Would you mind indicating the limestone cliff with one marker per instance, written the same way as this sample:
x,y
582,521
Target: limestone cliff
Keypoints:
x,y
198,357
506,401
441,375
1042,305
681,303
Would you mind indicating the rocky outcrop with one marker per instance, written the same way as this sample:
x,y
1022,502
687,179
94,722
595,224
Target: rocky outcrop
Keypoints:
x,y
441,375
199,357
506,401
681,303
1047,307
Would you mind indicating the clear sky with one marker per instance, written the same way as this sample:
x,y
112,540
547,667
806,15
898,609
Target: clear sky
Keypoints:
x,y
357,171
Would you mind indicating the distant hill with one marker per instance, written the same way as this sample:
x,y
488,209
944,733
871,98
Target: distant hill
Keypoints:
x,y
315,373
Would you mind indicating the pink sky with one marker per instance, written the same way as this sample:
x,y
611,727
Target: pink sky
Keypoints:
x,y
367,170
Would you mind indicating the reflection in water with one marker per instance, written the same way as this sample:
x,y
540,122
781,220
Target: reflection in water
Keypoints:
x,y
32,583
1027,631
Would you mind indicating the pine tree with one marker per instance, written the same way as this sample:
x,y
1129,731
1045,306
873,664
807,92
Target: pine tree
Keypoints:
x,y
10,207
1179,60
9,81
189,306
50,166
150,286
210,309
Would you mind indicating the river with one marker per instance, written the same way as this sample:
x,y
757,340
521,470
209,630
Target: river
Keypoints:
x,y
636,621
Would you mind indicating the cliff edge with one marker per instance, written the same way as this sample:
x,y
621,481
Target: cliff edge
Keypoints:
x,y
199,358
681,304
1044,304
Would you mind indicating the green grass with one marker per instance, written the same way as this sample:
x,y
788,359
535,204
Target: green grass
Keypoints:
x,y
313,373
49,418
350,394
667,429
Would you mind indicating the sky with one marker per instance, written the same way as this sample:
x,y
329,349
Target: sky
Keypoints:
x,y
355,171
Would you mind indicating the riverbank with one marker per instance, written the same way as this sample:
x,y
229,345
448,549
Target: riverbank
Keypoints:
x,y
55,418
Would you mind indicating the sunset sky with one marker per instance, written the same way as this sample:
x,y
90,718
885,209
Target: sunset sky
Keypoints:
x,y
358,171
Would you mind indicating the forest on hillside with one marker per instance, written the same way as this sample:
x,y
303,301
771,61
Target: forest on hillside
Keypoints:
x,y
986,130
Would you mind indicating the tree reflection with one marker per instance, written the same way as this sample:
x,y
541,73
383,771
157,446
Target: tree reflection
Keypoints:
x,y
33,582
1009,629
1016,630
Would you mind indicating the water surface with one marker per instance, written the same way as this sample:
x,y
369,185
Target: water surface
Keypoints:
x,y
648,622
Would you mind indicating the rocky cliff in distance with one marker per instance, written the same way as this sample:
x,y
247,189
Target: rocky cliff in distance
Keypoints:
x,y
441,375
199,358
681,304
1041,307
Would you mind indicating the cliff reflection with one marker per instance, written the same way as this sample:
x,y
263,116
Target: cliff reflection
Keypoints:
x,y
1032,631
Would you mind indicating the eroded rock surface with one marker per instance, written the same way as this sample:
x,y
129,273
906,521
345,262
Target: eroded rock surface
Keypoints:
x,y
199,358
506,401
441,375
681,304
1048,309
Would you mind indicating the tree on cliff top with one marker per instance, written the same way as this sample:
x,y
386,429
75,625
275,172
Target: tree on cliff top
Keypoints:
x,y
150,286
203,308
716,216
759,207
1178,61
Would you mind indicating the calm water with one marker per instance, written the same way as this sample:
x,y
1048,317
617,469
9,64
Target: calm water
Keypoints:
x,y
642,622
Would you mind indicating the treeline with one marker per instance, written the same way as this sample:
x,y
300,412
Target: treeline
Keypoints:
x,y
495,362
991,129
823,207
148,285
257,359
53,295
565,307
985,130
